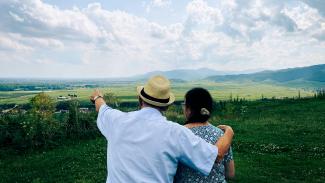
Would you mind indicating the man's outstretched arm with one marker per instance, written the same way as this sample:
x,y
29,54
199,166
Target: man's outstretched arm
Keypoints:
x,y
97,98
107,116
224,142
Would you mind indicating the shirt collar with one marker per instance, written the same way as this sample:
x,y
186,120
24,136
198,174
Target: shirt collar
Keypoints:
x,y
151,110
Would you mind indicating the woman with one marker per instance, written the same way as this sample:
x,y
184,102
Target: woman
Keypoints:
x,y
197,110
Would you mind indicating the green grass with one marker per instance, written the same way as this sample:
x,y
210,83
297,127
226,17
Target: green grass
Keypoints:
x,y
257,167
275,141
127,92
84,161
281,141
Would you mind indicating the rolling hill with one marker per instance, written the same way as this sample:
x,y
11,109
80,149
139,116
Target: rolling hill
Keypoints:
x,y
181,74
312,74
187,74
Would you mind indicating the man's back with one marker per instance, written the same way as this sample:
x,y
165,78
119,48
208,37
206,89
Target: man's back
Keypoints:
x,y
137,150
144,147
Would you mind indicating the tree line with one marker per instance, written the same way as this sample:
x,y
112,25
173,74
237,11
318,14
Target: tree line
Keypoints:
x,y
40,126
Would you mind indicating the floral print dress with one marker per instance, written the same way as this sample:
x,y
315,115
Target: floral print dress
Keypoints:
x,y
185,174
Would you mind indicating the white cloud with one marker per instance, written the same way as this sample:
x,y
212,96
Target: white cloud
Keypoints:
x,y
16,17
7,44
156,4
13,42
304,16
161,3
199,12
46,20
95,42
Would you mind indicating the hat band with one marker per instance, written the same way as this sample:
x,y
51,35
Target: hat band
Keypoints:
x,y
154,99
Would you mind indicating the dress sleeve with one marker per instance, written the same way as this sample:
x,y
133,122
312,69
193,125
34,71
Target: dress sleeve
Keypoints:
x,y
106,119
196,152
229,156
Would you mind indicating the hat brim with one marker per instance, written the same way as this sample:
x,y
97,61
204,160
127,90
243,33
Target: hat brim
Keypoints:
x,y
155,103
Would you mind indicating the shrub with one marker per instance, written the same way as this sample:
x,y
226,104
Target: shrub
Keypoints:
x,y
111,100
320,94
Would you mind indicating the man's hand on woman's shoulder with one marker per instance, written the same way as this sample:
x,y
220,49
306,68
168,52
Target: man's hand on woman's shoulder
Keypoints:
x,y
224,142
226,128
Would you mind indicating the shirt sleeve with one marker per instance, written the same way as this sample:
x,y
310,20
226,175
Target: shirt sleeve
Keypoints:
x,y
196,152
106,119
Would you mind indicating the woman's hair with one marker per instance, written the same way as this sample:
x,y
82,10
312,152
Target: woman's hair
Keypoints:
x,y
200,102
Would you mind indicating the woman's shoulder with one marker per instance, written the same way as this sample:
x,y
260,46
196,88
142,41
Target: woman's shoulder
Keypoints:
x,y
208,128
216,130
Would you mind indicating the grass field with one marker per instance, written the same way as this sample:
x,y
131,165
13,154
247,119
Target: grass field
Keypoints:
x,y
275,141
127,92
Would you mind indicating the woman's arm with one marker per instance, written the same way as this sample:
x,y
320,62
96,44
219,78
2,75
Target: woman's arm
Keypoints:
x,y
230,169
224,141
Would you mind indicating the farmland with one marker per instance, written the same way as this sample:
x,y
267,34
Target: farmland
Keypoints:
x,y
126,91
276,140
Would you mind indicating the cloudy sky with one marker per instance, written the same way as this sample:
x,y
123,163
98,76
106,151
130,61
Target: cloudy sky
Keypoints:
x,y
106,38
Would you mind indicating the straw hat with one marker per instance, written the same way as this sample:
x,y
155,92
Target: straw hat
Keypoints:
x,y
156,92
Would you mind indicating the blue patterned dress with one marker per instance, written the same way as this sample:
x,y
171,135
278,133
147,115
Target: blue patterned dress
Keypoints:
x,y
185,174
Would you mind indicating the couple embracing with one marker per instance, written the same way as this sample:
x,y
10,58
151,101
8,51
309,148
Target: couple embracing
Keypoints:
x,y
144,147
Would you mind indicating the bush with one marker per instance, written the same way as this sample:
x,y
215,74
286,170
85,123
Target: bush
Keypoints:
x,y
40,127
111,100
320,94
80,125
175,113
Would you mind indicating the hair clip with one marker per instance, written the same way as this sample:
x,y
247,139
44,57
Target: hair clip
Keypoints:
x,y
204,112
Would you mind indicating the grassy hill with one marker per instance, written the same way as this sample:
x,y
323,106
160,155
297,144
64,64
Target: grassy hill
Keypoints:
x,y
182,74
275,141
304,76
190,74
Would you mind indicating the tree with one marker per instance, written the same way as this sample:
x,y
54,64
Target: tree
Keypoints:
x,y
41,125
73,122
43,105
111,99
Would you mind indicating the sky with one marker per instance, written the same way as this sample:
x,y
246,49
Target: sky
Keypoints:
x,y
121,38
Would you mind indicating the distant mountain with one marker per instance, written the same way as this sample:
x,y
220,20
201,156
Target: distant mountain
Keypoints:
x,y
315,73
183,74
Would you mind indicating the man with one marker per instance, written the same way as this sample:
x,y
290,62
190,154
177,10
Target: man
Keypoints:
x,y
143,146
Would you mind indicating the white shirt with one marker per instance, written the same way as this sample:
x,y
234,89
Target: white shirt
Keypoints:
x,y
143,146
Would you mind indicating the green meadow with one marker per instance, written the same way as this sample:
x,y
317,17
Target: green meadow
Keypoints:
x,y
127,92
276,140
